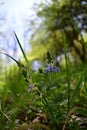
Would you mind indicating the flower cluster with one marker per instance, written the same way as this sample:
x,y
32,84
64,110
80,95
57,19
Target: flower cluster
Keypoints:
x,y
51,68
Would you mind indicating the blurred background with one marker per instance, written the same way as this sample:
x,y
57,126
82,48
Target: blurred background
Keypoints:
x,y
15,17
40,26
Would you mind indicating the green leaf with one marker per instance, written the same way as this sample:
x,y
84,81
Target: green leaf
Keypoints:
x,y
18,63
77,88
21,49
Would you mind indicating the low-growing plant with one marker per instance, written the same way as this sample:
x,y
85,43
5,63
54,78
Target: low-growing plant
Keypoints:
x,y
48,98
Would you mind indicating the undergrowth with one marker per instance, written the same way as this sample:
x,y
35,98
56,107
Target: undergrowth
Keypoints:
x,y
50,98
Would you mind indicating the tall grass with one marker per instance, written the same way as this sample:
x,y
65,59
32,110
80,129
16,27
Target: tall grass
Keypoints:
x,y
67,71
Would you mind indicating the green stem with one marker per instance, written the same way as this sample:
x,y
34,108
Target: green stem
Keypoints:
x,y
67,72
47,108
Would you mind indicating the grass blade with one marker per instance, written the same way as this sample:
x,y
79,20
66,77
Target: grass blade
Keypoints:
x,y
77,88
18,63
21,49
24,55
67,70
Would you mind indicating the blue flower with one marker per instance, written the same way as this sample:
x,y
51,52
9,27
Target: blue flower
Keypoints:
x,y
51,68
55,69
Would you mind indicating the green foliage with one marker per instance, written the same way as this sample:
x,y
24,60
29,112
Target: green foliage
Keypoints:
x,y
50,95
57,17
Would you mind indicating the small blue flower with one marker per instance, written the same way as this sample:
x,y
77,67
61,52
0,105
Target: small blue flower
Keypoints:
x,y
55,69
51,68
